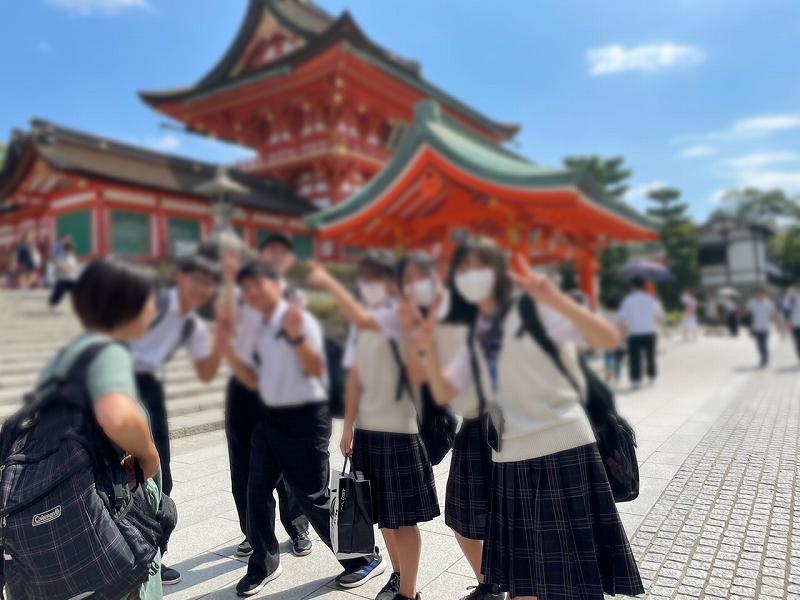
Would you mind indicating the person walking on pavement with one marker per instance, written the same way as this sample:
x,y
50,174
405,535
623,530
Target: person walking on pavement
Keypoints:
x,y
641,315
791,310
761,314
243,409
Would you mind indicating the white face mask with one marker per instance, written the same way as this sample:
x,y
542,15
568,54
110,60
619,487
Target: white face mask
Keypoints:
x,y
423,292
374,294
476,286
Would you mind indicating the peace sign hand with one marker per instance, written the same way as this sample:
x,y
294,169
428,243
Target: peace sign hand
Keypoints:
x,y
539,287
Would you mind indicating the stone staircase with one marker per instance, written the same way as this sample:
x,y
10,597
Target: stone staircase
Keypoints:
x,y
30,334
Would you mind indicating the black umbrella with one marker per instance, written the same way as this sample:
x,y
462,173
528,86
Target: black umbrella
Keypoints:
x,y
647,270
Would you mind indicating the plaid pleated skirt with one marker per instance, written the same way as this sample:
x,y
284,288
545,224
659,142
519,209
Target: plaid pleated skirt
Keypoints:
x,y
466,506
554,530
400,476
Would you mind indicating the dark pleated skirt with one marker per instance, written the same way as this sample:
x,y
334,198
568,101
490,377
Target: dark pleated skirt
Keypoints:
x,y
400,476
554,530
466,507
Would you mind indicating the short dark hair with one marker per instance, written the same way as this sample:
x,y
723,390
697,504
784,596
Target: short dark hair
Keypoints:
x,y
111,293
638,282
277,238
257,270
378,264
421,260
68,245
206,259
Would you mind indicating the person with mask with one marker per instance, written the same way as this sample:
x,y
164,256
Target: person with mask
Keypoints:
x,y
177,325
573,545
243,408
467,499
286,363
381,431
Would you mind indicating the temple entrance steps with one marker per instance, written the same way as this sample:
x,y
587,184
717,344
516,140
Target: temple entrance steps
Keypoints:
x,y
30,333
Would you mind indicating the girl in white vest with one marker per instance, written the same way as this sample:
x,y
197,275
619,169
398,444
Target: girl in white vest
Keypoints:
x,y
380,425
554,531
467,502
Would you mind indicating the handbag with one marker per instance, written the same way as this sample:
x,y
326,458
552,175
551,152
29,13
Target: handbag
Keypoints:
x,y
352,531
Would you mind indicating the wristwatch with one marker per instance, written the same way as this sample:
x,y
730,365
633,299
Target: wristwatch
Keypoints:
x,y
296,341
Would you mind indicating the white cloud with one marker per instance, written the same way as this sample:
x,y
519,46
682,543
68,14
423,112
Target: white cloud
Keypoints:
x,y
164,143
107,7
613,59
765,124
718,196
698,151
762,159
788,181
45,48
637,195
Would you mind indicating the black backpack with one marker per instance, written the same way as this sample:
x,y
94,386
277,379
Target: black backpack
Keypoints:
x,y
616,439
69,525
437,424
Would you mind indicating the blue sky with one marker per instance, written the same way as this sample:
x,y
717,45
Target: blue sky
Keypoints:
x,y
700,94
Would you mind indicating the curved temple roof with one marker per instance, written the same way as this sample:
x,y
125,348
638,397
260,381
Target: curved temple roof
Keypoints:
x,y
527,193
319,31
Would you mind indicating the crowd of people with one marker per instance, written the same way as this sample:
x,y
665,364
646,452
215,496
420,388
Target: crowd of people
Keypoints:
x,y
528,498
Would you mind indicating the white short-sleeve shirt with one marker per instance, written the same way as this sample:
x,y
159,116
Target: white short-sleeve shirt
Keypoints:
x,y
282,380
388,321
762,312
642,313
154,350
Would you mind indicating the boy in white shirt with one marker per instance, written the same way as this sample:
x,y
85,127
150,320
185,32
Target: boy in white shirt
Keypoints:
x,y
640,317
761,312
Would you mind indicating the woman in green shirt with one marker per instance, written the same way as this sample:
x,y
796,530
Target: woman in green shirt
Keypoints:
x,y
115,302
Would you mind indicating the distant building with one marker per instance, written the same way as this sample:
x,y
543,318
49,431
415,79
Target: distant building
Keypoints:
x,y
734,254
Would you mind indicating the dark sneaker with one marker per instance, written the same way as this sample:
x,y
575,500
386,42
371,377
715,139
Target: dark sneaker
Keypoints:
x,y
391,588
244,549
399,596
484,592
360,576
250,585
301,545
169,576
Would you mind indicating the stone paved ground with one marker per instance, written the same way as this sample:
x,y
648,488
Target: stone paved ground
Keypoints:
x,y
717,446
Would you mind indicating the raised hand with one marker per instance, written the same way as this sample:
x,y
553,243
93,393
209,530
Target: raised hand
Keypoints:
x,y
318,276
539,287
293,322
409,314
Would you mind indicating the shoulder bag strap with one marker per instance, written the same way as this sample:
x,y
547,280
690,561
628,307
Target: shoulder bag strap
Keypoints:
x,y
403,381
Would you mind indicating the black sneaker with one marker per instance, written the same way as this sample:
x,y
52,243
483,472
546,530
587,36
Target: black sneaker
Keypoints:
x,y
244,549
301,545
169,576
391,588
250,585
484,592
358,577
399,596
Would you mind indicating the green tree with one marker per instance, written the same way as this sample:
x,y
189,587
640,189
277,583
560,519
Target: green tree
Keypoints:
x,y
760,206
680,240
2,155
611,175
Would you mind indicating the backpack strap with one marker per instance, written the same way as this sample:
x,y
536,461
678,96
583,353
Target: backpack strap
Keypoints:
x,y
403,380
533,326
75,375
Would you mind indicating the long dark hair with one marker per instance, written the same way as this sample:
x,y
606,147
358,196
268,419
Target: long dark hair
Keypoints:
x,y
491,255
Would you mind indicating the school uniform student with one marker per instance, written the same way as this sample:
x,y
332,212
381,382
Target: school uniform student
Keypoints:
x,y
286,363
178,325
470,478
554,531
381,431
243,410
762,313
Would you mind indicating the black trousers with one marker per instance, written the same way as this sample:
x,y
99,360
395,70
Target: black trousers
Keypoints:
x,y
762,343
243,409
796,335
61,288
293,443
151,392
639,345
